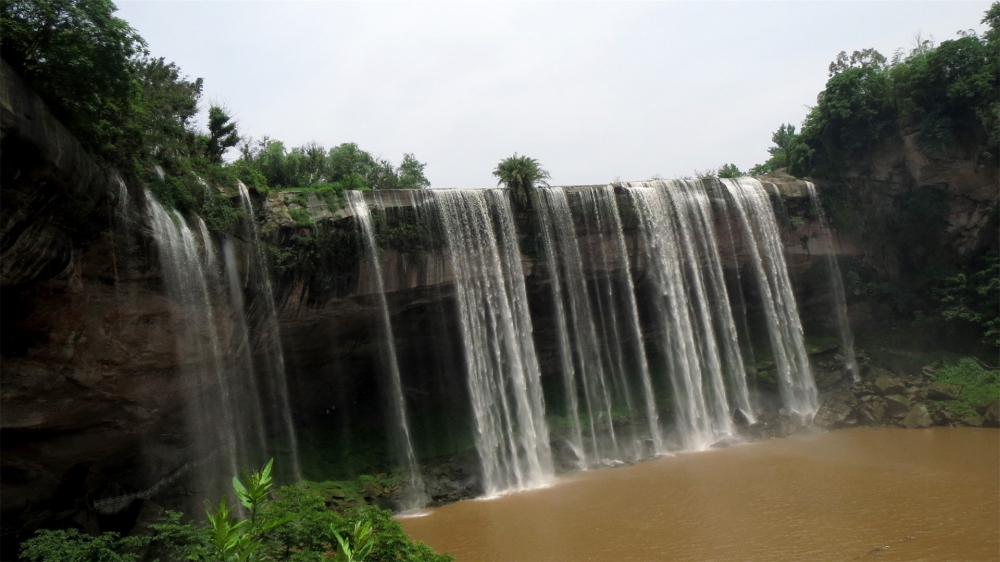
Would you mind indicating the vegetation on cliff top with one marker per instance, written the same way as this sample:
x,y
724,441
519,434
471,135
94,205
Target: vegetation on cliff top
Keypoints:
x,y
948,97
950,93
136,114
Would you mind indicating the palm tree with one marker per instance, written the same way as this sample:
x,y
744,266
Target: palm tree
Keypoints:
x,y
521,175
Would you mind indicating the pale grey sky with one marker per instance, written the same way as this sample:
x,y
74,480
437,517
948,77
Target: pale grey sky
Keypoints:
x,y
593,90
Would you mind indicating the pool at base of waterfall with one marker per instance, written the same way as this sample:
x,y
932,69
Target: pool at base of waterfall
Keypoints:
x,y
886,494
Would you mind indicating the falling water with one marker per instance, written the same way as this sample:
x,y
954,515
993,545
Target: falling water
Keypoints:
x,y
512,437
398,415
693,312
267,341
752,204
579,348
605,206
837,284
187,272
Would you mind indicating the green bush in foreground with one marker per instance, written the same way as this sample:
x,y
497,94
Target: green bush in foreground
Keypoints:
x,y
293,524
71,546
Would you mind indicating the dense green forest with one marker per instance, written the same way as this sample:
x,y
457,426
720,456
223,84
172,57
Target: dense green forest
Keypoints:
x,y
137,114
948,97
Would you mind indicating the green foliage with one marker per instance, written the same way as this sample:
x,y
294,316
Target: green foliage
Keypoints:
x,y
783,139
72,546
79,58
980,386
346,166
951,93
521,175
975,297
391,542
181,541
706,174
411,173
357,545
222,133
730,171
301,217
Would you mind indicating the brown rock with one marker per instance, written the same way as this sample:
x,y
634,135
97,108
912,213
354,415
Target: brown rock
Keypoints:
x,y
944,391
887,384
918,417
991,417
897,406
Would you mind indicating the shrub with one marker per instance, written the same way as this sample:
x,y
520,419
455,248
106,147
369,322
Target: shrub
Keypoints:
x,y
72,546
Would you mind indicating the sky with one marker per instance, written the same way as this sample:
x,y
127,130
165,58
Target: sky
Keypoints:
x,y
596,91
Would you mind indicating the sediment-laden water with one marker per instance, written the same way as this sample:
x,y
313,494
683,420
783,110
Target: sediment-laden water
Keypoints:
x,y
882,494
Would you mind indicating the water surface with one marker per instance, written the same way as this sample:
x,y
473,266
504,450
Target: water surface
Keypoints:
x,y
869,494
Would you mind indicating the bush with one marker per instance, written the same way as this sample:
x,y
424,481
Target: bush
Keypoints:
x,y
980,386
72,546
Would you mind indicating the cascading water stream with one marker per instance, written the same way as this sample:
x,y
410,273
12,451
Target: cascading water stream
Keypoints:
x,y
605,209
511,434
678,237
211,417
837,285
398,415
753,206
268,335
578,343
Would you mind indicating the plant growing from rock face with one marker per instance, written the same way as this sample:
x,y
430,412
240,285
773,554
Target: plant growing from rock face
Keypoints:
x,y
521,175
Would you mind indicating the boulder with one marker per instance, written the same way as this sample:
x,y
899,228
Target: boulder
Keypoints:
x,y
918,417
835,413
872,412
972,421
896,406
944,391
943,416
740,419
887,384
991,417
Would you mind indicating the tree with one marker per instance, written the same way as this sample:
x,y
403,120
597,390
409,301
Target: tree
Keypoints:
x,y
347,159
169,103
730,171
77,56
411,173
521,175
222,133
865,58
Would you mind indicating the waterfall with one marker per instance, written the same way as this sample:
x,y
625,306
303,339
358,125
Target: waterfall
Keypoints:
x,y
399,421
579,348
696,330
837,285
756,215
603,207
512,437
266,343
213,412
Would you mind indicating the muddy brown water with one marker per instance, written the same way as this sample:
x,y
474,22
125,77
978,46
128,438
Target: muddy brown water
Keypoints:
x,y
868,494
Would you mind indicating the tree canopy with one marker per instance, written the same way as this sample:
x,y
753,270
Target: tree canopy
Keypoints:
x,y
521,175
949,92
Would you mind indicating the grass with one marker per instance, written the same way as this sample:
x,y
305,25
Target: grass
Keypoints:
x,y
980,386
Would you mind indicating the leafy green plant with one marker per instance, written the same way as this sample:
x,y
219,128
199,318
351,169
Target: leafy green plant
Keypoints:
x,y
980,386
521,175
975,297
72,546
301,217
357,546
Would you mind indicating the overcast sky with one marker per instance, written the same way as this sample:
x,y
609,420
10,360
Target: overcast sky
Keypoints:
x,y
593,90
